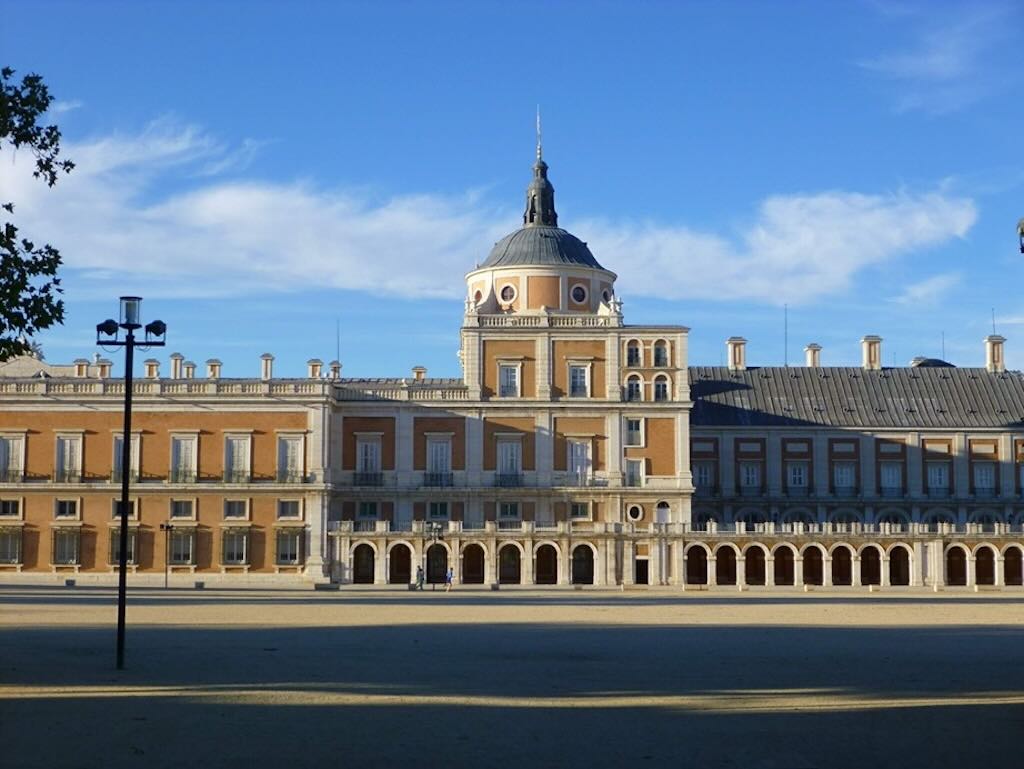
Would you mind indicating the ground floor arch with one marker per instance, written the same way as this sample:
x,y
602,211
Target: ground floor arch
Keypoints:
x,y
437,564
473,565
754,566
400,565
784,570
814,562
956,566
842,566
363,559
985,565
899,566
582,565
1013,566
546,569
725,565
871,566
697,566
510,565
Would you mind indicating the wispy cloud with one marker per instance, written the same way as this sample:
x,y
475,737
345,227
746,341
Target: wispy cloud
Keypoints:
x,y
928,291
139,213
62,107
951,61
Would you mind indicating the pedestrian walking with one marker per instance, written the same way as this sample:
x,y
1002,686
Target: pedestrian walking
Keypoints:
x,y
419,577
448,577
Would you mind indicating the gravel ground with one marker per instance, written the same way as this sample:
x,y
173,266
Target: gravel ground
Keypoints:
x,y
374,677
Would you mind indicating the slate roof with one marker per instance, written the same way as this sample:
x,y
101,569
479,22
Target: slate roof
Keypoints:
x,y
907,398
540,245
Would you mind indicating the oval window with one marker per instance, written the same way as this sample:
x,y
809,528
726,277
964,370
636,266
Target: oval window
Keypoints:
x,y
477,297
508,293
606,295
635,513
579,294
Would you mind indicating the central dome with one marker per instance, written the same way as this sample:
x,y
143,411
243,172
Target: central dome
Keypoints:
x,y
540,245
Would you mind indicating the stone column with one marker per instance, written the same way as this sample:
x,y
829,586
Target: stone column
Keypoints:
x,y
855,568
826,571
769,571
972,571
885,571
318,507
741,570
798,569
543,352
1000,571
528,562
380,566
565,562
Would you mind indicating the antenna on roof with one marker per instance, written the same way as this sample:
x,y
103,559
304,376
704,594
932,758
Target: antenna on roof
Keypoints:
x,y
337,339
943,345
785,335
993,321
539,153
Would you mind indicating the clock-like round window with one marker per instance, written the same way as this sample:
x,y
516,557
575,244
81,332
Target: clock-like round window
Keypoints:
x,y
606,295
635,513
578,294
508,293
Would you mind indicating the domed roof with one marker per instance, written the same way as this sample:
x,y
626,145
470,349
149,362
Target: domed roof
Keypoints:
x,y
540,245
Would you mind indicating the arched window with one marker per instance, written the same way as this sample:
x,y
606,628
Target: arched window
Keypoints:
x,y
633,354
634,389
661,388
660,354
662,512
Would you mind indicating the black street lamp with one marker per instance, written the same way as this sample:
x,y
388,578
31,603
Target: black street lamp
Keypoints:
x,y
107,336
167,528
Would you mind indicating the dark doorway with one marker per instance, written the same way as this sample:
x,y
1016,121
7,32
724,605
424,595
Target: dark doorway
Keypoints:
x,y
473,565
785,574
509,565
754,566
814,571
641,571
1013,566
696,566
547,565
899,566
582,565
842,566
985,566
437,564
725,566
956,566
400,565
870,566
362,565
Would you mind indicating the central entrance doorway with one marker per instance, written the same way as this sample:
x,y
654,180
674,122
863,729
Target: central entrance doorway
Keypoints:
x,y
547,565
437,564
400,565
582,565
473,565
509,565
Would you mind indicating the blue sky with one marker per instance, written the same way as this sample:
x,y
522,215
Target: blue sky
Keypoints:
x,y
261,171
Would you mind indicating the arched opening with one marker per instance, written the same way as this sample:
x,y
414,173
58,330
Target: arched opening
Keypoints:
x,y
400,565
755,561
660,354
362,565
509,565
985,566
1013,566
987,521
634,388
633,354
661,388
814,571
547,565
899,566
842,566
582,565
956,566
725,566
437,564
934,518
473,565
662,513
785,573
748,521
702,519
697,566
871,566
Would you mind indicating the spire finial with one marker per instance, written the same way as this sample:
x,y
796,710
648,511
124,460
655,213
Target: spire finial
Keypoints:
x,y
539,153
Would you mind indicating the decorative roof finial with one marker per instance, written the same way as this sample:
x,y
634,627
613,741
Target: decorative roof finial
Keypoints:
x,y
539,153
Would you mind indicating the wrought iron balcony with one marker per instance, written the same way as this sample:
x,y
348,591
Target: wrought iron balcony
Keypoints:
x,y
11,475
508,480
290,476
67,476
438,479
237,476
116,476
891,492
509,524
798,491
364,526
935,492
751,491
362,478
179,475
845,492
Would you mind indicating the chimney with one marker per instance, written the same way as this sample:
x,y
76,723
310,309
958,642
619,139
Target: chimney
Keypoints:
x,y
213,368
81,367
994,361
813,354
152,366
871,353
176,359
103,366
190,369
737,349
419,373
266,366
314,366
335,369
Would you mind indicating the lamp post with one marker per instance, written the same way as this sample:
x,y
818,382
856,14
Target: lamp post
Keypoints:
x,y
435,531
107,336
167,528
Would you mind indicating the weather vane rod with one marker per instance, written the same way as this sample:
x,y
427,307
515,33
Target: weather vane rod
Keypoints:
x,y
538,133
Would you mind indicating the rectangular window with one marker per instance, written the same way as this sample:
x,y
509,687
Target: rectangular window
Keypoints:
x,y
115,547
289,459
368,455
118,460
633,355
10,545
236,459
115,508
750,476
182,548
661,389
438,511
367,510
704,476
844,477
634,432
579,510
508,510
289,508
236,509
439,462
10,459
183,459
508,381
65,547
288,546
985,478
69,458
10,508
66,508
890,478
938,477
236,548
579,460
660,355
182,508
634,472
510,457
796,476
578,382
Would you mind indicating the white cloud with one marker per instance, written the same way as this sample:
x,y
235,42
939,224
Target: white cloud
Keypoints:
x,y
138,214
61,107
929,290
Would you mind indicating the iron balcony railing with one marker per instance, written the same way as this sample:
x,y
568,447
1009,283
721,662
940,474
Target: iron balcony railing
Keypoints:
x,y
67,476
11,475
290,476
844,491
509,524
179,475
891,492
364,526
508,480
438,479
116,476
237,476
362,478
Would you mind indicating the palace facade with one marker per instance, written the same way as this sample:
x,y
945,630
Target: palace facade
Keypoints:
x,y
575,449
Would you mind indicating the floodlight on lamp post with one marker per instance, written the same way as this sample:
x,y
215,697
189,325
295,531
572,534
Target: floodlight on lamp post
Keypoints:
x,y
107,336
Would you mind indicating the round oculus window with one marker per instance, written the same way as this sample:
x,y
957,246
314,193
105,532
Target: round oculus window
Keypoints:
x,y
477,297
578,294
606,295
508,293
635,513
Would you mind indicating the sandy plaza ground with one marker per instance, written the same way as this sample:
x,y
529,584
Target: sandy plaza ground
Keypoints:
x,y
385,677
